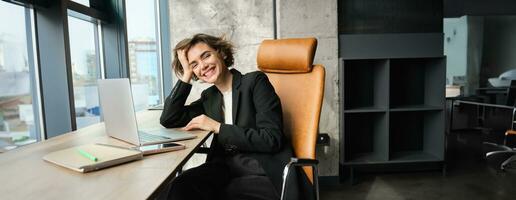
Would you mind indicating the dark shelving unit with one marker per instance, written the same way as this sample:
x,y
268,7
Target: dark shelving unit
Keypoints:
x,y
393,100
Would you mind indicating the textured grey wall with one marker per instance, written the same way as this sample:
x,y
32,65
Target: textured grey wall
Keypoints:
x,y
247,22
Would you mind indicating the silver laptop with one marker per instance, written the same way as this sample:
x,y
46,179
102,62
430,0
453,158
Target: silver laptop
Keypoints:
x,y
117,107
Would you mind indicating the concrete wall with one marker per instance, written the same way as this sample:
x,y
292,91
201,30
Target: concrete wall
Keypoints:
x,y
308,18
499,46
474,53
247,22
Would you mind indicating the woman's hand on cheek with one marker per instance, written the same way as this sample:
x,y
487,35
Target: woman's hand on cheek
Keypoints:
x,y
187,69
203,122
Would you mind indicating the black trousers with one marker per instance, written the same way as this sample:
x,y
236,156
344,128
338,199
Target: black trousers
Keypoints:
x,y
214,180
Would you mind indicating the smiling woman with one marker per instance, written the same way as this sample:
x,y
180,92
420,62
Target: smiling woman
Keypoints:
x,y
249,149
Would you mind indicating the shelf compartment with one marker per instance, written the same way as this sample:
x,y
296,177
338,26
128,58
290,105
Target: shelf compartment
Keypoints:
x,y
416,136
415,108
417,81
413,156
365,110
365,83
365,138
366,158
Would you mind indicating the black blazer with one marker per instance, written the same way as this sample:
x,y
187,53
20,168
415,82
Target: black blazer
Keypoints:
x,y
257,130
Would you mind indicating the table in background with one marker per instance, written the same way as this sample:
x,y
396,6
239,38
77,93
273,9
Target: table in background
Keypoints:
x,y
480,109
495,95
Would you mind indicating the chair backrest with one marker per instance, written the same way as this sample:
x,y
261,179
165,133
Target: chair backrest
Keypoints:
x,y
511,94
300,87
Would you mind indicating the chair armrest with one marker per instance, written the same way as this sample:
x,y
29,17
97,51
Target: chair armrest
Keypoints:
x,y
496,147
203,150
300,162
303,161
492,153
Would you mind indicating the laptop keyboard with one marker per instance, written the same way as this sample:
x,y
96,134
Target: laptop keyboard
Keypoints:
x,y
146,137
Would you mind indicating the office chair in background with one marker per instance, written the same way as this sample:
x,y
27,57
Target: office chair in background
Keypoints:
x,y
501,155
511,94
300,87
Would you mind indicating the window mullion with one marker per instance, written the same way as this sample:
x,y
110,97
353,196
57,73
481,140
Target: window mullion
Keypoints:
x,y
159,50
34,73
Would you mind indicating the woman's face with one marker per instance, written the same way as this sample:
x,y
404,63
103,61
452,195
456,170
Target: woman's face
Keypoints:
x,y
206,62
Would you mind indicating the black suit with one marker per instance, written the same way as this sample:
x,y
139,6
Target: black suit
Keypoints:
x,y
255,144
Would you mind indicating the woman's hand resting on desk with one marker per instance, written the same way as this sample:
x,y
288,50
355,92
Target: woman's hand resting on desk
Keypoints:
x,y
203,122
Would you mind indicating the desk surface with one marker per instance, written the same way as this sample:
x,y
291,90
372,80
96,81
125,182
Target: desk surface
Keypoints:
x,y
24,174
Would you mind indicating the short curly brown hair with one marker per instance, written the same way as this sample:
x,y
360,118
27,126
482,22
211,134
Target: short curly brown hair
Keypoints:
x,y
221,45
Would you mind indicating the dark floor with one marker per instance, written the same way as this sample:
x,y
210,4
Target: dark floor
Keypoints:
x,y
468,177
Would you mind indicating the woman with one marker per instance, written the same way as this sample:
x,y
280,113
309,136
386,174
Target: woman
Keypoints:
x,y
243,112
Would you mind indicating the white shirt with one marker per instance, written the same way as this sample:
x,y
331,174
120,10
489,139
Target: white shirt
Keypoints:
x,y
228,107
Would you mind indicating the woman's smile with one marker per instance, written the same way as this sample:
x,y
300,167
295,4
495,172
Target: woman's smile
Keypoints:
x,y
209,72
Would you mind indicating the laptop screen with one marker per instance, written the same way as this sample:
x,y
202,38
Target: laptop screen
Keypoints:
x,y
118,109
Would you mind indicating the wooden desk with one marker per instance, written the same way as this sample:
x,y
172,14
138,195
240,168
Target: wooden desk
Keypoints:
x,y
24,174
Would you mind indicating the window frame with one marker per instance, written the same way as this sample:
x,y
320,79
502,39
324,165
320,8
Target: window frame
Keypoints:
x,y
34,69
98,50
167,79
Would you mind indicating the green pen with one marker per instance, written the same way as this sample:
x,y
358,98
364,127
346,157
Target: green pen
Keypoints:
x,y
87,155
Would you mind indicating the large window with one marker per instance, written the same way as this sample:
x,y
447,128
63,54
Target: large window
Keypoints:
x,y
49,69
86,69
19,113
144,53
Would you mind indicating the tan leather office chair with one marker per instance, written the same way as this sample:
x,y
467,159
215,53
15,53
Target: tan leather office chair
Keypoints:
x,y
300,87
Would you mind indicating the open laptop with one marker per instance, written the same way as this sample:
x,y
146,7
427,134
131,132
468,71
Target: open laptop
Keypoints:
x,y
117,107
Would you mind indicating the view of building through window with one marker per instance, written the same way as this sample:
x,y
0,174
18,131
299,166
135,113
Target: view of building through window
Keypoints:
x,y
85,70
143,48
17,115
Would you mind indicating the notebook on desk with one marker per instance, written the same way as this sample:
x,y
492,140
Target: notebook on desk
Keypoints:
x,y
117,107
105,156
